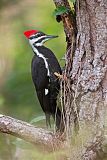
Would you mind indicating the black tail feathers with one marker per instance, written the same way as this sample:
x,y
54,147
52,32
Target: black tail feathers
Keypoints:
x,y
48,122
58,118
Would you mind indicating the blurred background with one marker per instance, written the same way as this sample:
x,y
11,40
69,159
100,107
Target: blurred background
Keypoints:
x,y
17,93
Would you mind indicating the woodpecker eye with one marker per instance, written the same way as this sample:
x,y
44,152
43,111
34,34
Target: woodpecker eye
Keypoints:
x,y
37,35
41,34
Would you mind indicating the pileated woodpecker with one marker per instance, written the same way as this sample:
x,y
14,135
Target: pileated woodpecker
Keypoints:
x,y
44,65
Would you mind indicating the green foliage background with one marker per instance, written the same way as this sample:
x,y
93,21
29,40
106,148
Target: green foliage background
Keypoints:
x,y
17,93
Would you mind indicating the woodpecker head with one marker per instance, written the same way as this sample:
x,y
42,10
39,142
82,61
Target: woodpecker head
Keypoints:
x,y
37,38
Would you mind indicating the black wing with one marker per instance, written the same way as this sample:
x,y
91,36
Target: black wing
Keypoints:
x,y
41,81
39,73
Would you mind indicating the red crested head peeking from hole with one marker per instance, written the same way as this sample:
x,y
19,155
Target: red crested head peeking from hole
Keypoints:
x,y
30,32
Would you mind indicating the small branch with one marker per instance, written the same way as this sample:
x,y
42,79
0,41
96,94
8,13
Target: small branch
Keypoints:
x,y
38,136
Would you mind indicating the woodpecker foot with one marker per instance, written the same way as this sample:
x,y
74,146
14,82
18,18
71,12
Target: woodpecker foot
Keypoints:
x,y
63,77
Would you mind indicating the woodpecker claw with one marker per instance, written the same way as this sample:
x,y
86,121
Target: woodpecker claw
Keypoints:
x,y
60,76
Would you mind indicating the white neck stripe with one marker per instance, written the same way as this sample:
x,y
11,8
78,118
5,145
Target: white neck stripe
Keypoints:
x,y
42,56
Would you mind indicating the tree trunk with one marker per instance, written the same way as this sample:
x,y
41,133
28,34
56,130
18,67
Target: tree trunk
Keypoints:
x,y
89,67
85,89
85,85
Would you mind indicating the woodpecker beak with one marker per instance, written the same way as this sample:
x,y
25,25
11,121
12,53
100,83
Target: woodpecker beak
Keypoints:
x,y
50,36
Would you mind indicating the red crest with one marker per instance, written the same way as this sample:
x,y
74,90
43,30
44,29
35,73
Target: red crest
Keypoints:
x,y
30,32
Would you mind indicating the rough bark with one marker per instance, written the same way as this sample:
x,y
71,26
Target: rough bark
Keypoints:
x,y
89,70
38,136
85,90
89,67
97,150
86,68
